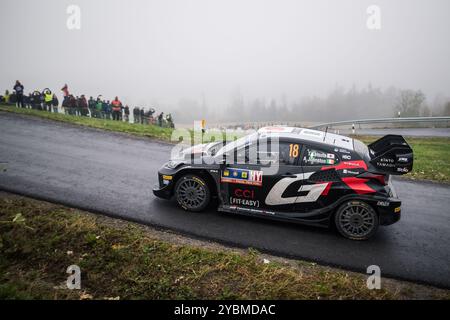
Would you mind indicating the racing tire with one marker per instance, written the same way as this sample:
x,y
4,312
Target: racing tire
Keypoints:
x,y
192,193
356,220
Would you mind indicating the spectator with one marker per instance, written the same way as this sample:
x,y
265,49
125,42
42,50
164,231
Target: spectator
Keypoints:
x,y
18,88
55,103
83,105
91,105
6,97
169,120
142,115
127,114
65,91
160,119
116,108
98,108
48,99
72,104
35,100
136,114
27,100
106,112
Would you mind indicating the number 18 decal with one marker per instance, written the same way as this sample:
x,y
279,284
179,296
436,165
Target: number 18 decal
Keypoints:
x,y
293,150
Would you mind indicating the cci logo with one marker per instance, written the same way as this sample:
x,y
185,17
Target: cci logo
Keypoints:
x,y
244,193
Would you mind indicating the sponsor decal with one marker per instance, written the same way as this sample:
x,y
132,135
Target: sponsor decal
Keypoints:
x,y
345,171
397,210
341,150
402,159
198,180
165,177
383,203
346,157
353,164
402,170
244,193
312,133
316,157
313,191
242,176
244,202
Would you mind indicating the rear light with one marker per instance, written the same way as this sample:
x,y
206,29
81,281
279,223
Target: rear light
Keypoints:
x,y
381,178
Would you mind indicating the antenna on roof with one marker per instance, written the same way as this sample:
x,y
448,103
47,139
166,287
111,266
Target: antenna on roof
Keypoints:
x,y
325,135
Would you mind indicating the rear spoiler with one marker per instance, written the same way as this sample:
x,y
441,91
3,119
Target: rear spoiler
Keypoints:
x,y
392,155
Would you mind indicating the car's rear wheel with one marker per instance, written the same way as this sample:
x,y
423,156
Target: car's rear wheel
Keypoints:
x,y
356,220
192,193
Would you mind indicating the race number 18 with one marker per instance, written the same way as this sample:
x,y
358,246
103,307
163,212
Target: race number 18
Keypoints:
x,y
293,150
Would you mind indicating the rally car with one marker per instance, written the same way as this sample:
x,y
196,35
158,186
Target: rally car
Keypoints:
x,y
293,174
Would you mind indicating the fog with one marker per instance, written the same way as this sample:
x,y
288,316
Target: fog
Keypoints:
x,y
227,59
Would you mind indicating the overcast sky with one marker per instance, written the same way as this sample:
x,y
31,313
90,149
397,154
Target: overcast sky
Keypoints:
x,y
162,50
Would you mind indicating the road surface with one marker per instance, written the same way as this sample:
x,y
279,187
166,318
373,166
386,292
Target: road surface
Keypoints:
x,y
113,174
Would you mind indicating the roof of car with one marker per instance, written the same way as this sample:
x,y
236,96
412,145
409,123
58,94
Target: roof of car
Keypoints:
x,y
309,135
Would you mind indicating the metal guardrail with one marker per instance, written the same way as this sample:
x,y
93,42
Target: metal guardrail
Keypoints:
x,y
382,120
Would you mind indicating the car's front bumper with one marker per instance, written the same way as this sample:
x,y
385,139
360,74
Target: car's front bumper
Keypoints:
x,y
164,188
164,192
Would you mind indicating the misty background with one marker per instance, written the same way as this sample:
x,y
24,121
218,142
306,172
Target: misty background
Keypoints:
x,y
230,60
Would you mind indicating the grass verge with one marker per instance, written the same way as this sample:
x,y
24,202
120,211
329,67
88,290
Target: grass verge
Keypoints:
x,y
150,131
121,260
430,158
430,154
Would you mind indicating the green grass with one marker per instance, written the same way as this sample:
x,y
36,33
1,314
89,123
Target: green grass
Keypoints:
x,y
430,154
150,131
39,240
431,158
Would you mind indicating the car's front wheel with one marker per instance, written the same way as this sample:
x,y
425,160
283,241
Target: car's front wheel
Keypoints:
x,y
356,220
192,193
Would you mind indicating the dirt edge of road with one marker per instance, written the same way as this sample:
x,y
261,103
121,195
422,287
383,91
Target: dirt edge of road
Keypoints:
x,y
122,260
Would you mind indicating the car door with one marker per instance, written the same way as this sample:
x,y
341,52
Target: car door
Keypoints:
x,y
317,180
250,184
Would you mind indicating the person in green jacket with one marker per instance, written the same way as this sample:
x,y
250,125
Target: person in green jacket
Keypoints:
x,y
98,108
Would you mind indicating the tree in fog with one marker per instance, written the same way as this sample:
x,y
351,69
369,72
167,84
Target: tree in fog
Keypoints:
x,y
447,109
410,103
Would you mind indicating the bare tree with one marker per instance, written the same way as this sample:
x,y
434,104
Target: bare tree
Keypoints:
x,y
410,103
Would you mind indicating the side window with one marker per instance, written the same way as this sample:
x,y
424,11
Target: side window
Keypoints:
x,y
316,157
289,153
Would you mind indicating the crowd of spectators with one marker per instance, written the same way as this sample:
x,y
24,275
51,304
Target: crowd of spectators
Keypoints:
x,y
100,108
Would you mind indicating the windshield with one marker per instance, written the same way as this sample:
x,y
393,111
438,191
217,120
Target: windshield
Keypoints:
x,y
237,144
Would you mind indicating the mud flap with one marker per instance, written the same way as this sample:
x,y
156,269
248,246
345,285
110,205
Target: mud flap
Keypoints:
x,y
391,154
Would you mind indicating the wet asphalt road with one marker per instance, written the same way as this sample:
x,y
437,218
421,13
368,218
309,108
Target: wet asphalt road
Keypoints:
x,y
113,174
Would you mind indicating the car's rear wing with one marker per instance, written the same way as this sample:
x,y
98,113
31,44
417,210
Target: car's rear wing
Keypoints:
x,y
392,155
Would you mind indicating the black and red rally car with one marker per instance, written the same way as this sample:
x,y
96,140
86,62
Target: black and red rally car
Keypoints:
x,y
293,174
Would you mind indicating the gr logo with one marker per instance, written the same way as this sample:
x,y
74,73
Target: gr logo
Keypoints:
x,y
374,280
74,280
